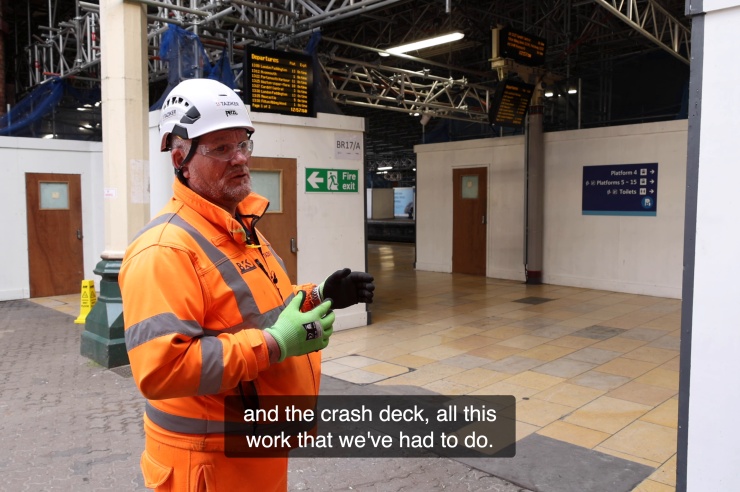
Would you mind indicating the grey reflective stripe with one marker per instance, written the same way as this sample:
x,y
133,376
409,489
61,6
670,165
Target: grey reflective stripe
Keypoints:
x,y
183,425
279,260
271,316
188,425
268,318
159,326
231,276
162,219
212,366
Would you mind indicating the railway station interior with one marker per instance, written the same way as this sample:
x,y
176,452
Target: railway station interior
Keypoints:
x,y
546,202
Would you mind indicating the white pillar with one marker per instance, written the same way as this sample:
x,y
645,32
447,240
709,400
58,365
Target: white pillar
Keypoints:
x,y
708,439
125,96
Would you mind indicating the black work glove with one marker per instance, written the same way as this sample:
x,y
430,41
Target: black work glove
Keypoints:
x,y
347,288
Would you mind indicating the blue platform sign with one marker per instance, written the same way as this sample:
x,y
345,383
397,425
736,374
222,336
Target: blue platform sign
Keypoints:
x,y
622,189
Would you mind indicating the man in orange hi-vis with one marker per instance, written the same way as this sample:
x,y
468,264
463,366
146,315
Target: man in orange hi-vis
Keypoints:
x,y
208,307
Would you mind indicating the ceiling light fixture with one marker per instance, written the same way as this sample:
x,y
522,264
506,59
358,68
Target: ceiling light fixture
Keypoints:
x,y
385,168
426,43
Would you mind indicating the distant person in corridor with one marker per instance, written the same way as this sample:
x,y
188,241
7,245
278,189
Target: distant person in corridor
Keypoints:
x,y
208,307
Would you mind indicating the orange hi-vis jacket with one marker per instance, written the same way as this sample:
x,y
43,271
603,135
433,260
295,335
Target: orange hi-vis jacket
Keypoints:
x,y
196,295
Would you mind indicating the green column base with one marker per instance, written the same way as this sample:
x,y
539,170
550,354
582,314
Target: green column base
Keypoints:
x,y
102,341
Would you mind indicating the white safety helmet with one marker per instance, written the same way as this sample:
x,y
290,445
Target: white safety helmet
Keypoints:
x,y
199,106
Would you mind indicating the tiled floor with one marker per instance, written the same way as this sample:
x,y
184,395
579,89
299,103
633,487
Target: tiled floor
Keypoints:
x,y
592,368
595,369
68,304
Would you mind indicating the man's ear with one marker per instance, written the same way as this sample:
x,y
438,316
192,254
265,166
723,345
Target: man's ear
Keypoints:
x,y
178,156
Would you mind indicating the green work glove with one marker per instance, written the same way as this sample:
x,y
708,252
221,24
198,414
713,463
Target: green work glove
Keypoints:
x,y
346,288
298,333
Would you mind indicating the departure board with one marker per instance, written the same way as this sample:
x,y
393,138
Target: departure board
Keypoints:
x,y
278,82
521,47
510,104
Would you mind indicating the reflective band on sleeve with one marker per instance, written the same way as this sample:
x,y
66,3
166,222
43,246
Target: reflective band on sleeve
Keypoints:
x,y
261,322
183,425
187,425
158,326
212,366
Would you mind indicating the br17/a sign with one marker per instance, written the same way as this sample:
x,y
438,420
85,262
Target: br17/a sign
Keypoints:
x,y
332,180
624,189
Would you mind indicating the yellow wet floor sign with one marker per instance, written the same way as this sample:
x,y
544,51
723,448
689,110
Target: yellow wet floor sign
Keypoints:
x,y
87,300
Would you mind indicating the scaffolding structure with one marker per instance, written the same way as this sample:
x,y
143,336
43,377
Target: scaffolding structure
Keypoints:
x,y
72,49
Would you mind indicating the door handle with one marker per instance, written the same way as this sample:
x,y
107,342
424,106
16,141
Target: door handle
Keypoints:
x,y
293,248
483,220
79,234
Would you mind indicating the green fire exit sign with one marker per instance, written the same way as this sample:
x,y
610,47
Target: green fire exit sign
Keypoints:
x,y
332,180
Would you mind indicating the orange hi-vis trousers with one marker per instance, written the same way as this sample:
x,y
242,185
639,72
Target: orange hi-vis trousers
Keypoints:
x,y
198,464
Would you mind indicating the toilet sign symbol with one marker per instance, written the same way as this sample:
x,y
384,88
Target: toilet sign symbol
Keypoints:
x,y
333,181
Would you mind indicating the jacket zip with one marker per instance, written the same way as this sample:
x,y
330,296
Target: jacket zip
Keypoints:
x,y
273,277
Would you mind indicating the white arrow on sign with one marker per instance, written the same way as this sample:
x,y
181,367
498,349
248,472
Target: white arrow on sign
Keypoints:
x,y
314,179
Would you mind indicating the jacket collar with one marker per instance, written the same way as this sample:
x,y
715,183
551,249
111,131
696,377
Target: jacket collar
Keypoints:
x,y
250,210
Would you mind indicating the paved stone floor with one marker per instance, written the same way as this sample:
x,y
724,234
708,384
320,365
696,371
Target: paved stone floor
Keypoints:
x,y
594,375
68,424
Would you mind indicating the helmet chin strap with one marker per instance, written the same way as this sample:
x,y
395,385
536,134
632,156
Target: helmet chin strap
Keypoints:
x,y
179,170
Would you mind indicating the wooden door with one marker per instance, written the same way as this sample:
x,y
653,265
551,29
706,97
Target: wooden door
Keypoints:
x,y
54,221
469,208
275,179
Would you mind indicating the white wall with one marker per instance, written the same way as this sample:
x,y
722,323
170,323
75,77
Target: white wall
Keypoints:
x,y
33,155
641,255
331,226
713,341
503,157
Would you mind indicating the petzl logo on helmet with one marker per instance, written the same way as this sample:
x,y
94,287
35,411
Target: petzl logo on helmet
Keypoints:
x,y
231,113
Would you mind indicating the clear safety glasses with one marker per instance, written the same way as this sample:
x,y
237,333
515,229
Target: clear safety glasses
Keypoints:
x,y
226,152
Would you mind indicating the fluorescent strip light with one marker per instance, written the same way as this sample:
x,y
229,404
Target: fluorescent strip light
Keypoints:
x,y
426,43
572,91
549,94
385,168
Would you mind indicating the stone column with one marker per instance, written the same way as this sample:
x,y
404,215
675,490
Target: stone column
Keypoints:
x,y
125,98
535,183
